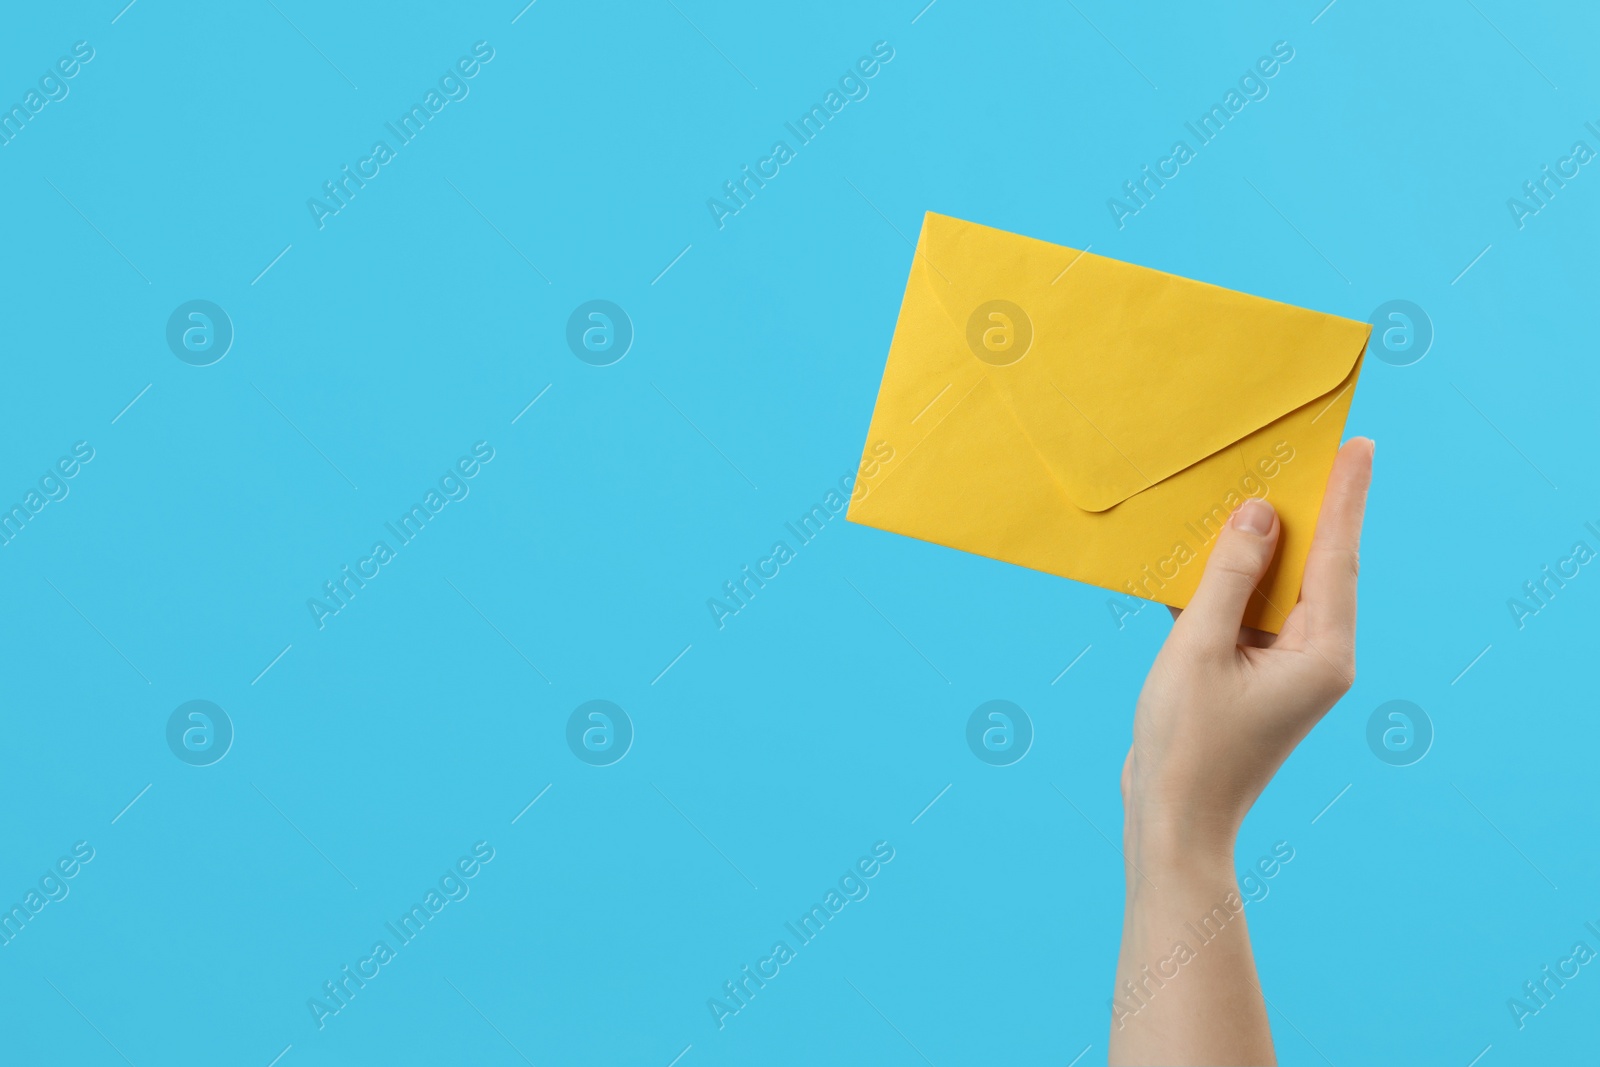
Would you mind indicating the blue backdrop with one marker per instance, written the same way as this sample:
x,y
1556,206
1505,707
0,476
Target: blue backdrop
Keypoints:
x,y
243,347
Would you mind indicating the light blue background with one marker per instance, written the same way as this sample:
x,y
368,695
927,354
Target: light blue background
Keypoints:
x,y
775,752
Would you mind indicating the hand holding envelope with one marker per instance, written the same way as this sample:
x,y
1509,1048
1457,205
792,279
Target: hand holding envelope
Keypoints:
x,y
1100,420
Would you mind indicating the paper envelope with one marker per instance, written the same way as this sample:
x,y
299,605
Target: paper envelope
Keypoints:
x,y
1100,420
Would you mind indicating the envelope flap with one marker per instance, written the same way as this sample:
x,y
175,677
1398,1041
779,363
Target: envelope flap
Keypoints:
x,y
1120,375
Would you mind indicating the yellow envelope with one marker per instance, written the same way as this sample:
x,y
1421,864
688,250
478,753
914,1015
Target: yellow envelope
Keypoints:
x,y
1099,420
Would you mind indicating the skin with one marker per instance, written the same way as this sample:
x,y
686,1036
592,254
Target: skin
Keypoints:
x,y
1220,711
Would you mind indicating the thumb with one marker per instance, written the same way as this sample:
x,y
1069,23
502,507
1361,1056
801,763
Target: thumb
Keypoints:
x,y
1238,561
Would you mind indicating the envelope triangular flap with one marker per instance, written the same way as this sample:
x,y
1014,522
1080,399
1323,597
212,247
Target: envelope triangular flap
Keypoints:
x,y
1132,374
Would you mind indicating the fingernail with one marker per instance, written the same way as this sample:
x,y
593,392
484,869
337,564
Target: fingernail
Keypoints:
x,y
1254,516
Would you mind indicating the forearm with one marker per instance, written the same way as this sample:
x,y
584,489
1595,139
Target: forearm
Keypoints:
x,y
1186,989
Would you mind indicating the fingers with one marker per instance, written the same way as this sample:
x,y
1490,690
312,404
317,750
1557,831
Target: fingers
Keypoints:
x,y
1328,591
1238,562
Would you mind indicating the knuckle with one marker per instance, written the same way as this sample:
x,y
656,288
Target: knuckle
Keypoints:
x,y
1242,562
1345,558
1340,670
1233,571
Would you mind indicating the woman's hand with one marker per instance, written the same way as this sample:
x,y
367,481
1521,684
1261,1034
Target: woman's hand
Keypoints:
x,y
1220,711
1223,707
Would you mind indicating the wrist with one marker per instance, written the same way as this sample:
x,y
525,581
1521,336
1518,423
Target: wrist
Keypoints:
x,y
1179,849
